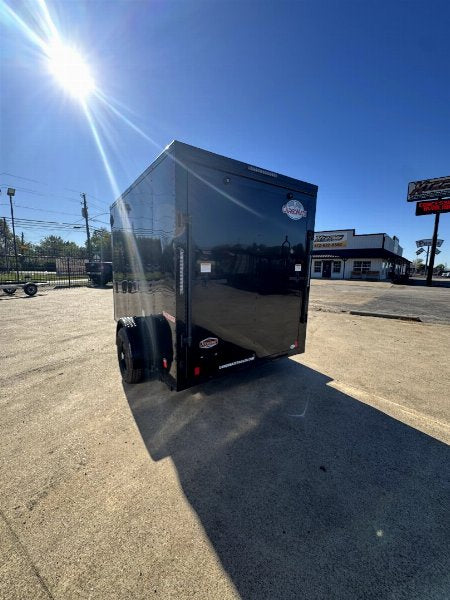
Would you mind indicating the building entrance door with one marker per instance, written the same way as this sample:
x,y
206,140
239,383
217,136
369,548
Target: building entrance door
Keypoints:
x,y
326,268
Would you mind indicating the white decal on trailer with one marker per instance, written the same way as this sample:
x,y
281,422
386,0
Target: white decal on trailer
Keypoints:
x,y
294,210
181,272
236,362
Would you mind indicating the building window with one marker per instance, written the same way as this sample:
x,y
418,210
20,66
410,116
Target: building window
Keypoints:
x,y
337,266
317,266
362,266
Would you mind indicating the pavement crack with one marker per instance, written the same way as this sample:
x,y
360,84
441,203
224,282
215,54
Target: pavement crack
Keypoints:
x,y
24,551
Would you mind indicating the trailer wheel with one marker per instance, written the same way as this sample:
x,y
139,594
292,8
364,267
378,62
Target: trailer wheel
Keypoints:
x,y
96,280
30,289
9,291
131,373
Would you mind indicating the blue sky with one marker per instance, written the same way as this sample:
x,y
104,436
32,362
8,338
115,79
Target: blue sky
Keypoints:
x,y
351,96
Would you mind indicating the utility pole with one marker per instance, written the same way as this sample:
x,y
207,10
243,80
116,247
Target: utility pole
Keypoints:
x,y
433,250
84,213
6,244
11,192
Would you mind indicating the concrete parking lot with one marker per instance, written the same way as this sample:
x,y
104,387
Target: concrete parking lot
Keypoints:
x,y
430,304
325,476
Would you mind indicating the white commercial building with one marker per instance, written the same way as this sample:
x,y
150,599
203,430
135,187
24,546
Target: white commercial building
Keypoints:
x,y
343,254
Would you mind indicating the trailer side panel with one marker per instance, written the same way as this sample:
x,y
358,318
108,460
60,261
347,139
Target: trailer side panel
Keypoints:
x,y
144,230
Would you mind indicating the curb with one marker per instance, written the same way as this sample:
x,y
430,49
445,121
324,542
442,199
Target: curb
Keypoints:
x,y
362,313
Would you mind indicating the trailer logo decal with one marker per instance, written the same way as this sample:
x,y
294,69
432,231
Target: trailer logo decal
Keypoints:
x,y
294,210
209,342
236,362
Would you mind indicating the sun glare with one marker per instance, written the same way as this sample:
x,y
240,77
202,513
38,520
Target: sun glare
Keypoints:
x,y
71,71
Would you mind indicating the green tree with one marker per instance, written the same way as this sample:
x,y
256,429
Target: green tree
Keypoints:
x,y
52,245
24,247
55,245
418,265
101,244
5,234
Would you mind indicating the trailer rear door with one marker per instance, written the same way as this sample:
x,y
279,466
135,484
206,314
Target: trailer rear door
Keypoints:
x,y
248,254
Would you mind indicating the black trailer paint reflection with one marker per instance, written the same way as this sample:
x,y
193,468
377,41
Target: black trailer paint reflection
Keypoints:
x,y
220,251
252,294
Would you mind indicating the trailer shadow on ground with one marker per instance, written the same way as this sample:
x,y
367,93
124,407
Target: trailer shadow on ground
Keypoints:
x,y
303,491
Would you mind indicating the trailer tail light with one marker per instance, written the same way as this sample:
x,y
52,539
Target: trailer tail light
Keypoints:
x,y
296,344
165,364
196,371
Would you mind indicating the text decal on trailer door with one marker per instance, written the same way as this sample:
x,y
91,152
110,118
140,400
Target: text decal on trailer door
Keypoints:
x,y
294,209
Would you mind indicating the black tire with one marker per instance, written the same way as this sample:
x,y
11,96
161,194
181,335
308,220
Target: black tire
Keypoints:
x,y
30,289
9,291
131,373
96,280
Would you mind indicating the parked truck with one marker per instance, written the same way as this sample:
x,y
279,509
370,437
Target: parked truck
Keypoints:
x,y
211,262
99,272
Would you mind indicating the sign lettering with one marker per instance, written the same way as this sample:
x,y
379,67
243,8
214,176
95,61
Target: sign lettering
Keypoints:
x,y
433,206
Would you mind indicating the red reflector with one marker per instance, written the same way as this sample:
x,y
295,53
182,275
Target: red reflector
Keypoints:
x,y
165,363
296,344
196,371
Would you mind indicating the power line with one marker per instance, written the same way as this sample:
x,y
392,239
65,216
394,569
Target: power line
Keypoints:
x,y
19,177
37,224
101,222
44,195
46,210
102,202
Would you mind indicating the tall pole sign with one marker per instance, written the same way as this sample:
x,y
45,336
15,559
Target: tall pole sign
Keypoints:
x,y
432,197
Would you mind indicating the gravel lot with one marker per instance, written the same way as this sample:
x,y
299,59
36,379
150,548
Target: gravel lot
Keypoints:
x,y
320,477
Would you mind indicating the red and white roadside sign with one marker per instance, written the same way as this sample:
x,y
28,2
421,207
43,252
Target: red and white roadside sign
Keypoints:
x,y
430,207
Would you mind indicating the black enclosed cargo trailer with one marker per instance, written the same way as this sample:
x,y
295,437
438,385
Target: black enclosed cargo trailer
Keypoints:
x,y
210,266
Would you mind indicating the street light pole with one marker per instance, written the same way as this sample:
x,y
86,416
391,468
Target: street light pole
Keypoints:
x,y
11,192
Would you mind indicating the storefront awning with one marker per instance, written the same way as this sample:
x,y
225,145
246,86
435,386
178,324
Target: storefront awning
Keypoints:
x,y
358,253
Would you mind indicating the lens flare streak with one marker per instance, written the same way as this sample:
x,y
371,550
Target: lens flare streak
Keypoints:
x,y
135,128
101,150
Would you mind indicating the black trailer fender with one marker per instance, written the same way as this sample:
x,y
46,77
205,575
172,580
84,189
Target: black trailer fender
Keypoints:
x,y
135,335
162,342
150,340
